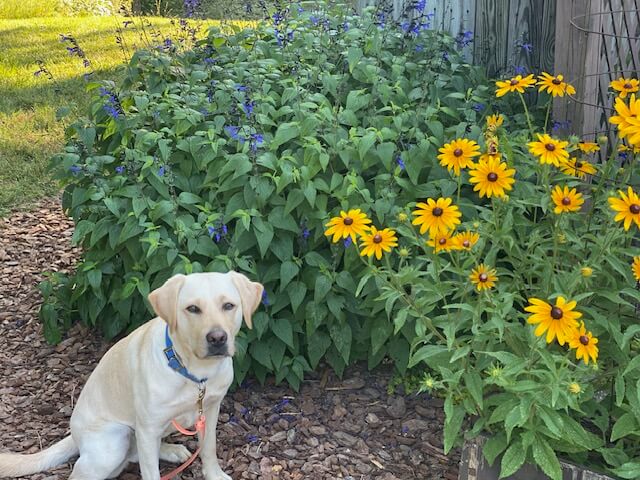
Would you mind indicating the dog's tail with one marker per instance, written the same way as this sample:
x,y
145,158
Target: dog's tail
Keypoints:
x,y
17,465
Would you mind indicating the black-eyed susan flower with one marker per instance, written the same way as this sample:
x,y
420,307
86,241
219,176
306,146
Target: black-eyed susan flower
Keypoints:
x,y
466,240
555,85
436,216
458,154
515,84
626,149
557,321
494,121
635,268
348,224
628,119
442,242
627,206
624,86
575,388
492,178
577,167
588,147
549,150
376,241
566,200
584,343
483,278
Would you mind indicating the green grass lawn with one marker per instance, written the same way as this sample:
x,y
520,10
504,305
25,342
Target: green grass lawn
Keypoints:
x,y
29,131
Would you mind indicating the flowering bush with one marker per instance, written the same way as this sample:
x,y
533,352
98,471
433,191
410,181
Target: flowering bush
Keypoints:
x,y
231,156
520,285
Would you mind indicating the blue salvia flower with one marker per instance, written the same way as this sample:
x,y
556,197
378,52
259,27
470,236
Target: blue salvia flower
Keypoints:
x,y
348,242
212,230
345,26
305,233
419,47
400,162
161,171
300,9
120,169
278,18
240,88
527,47
75,169
445,56
520,70
464,38
256,141
248,107
191,7
265,298
405,26
233,131
314,20
421,5
478,107
167,44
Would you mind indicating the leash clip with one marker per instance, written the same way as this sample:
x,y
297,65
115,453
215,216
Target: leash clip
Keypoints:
x,y
202,390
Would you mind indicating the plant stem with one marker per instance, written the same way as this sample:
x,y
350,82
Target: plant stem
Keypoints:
x,y
526,113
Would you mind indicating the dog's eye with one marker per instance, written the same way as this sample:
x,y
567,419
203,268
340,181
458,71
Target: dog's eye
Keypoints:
x,y
193,309
228,307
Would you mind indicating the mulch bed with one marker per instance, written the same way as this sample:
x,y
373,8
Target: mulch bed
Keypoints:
x,y
333,428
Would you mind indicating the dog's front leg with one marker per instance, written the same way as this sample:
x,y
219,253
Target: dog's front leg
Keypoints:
x,y
210,466
148,444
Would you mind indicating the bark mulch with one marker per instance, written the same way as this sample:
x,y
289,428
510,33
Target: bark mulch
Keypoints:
x,y
346,428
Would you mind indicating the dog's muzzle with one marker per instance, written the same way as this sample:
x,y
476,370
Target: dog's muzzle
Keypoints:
x,y
217,343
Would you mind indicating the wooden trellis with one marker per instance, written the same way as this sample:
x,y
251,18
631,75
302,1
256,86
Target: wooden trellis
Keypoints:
x,y
602,43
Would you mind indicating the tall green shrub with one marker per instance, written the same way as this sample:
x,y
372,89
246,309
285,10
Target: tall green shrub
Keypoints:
x,y
234,155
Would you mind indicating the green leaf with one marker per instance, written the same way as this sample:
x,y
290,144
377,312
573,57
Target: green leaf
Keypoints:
x,y
630,470
512,460
288,271
380,332
452,426
545,457
318,347
294,199
365,144
95,278
624,426
473,381
285,133
281,327
341,335
494,446
297,291
323,286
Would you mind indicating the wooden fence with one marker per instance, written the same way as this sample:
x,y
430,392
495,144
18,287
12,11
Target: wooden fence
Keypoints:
x,y
591,42
507,33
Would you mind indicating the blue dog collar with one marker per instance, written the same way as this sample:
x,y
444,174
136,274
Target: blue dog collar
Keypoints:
x,y
174,361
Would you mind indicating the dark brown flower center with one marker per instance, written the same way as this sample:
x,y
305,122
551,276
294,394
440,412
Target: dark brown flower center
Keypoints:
x,y
556,81
579,164
458,152
377,238
514,82
584,340
627,85
556,313
466,244
492,177
566,201
634,208
483,277
348,221
437,211
550,147
442,241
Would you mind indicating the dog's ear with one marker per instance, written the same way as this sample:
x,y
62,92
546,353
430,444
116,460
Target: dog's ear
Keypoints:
x,y
164,299
250,294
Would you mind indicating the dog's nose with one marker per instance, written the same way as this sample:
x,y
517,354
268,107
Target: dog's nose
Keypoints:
x,y
217,337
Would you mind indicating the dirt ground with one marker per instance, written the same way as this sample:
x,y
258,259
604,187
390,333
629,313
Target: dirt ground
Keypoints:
x,y
346,428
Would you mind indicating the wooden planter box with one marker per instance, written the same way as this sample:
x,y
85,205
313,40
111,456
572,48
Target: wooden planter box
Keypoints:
x,y
473,466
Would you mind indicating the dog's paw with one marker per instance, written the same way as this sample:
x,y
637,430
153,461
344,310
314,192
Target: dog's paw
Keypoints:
x,y
216,474
174,453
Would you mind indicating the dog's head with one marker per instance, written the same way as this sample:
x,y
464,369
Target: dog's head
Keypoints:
x,y
204,311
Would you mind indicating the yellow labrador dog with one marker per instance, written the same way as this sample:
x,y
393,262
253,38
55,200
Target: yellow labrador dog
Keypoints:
x,y
152,377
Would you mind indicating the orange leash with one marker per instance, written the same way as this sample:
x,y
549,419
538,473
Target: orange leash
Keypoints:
x,y
201,425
